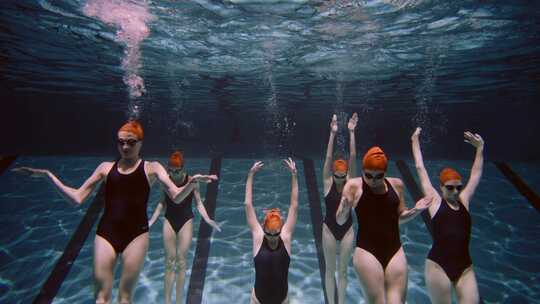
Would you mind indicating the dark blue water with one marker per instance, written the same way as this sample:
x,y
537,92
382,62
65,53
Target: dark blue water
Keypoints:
x,y
244,76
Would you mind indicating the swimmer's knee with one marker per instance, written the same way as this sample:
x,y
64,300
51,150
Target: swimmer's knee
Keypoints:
x,y
170,264
182,264
374,296
342,273
375,299
395,296
102,293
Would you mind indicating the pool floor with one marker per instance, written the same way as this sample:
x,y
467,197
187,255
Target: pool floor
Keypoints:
x,y
38,224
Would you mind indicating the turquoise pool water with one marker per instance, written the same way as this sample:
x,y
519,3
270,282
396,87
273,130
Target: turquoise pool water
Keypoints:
x,y
503,246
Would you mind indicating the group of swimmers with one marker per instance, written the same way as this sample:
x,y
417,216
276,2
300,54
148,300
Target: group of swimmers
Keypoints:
x,y
378,202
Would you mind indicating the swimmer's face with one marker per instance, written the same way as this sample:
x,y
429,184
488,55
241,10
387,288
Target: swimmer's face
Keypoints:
x,y
176,173
272,234
451,189
339,177
128,144
373,178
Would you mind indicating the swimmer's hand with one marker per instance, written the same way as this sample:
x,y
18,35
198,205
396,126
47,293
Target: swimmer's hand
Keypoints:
x,y
214,225
344,209
474,139
352,122
333,124
416,134
203,178
256,167
347,203
31,171
424,203
289,163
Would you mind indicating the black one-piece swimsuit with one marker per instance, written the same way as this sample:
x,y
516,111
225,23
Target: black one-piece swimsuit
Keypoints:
x,y
451,237
126,198
378,223
179,214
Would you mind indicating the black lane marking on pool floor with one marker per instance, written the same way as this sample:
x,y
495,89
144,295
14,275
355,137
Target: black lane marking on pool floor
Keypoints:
x,y
200,259
520,184
415,192
316,218
6,161
52,285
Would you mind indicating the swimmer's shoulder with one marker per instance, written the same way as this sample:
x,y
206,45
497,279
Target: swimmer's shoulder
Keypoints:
x,y
152,167
354,182
101,172
396,182
104,168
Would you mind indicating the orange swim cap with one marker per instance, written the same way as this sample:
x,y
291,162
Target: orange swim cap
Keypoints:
x,y
340,165
177,159
448,174
133,127
272,219
375,159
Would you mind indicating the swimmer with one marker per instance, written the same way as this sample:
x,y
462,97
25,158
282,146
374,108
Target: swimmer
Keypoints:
x,y
379,204
178,226
335,176
271,243
449,264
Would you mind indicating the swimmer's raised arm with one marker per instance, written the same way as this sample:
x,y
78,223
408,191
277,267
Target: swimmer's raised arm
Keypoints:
x,y
327,167
477,168
352,146
288,228
427,187
250,211
177,194
77,196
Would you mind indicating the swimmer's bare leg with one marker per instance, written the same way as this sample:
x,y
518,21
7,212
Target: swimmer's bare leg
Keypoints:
x,y
104,261
438,284
132,262
467,288
184,242
371,276
346,247
395,277
329,250
169,243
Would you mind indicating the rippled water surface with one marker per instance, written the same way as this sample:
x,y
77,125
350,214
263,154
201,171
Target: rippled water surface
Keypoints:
x,y
216,75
